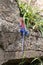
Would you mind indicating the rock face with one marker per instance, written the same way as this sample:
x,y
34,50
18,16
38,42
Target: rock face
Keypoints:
x,y
10,39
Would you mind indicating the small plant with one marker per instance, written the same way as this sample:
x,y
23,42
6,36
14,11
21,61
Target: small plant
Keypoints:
x,y
31,16
39,26
36,61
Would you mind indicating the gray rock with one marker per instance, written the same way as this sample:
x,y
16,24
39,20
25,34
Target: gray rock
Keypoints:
x,y
10,39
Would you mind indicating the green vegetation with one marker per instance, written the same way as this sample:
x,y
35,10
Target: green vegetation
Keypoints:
x,y
32,20
35,61
31,16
